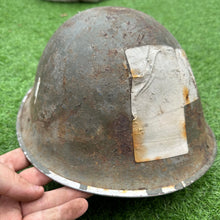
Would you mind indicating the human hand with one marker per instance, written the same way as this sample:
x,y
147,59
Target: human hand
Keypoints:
x,y
22,196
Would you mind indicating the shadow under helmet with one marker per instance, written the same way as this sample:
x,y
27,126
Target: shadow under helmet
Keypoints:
x,y
115,108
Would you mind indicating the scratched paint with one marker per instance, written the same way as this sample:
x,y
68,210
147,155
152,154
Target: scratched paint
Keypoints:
x,y
168,189
162,84
36,90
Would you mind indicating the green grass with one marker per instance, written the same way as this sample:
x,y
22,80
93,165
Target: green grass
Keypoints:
x,y
25,28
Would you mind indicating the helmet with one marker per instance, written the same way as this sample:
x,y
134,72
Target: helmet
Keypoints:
x,y
115,108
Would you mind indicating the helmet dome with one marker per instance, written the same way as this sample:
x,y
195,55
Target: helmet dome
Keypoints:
x,y
114,109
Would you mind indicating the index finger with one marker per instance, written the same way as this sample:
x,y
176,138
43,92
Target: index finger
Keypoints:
x,y
16,187
15,159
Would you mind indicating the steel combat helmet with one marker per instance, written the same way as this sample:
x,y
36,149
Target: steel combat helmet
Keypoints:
x,y
115,108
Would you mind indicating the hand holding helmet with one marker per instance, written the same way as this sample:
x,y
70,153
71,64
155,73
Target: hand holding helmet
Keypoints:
x,y
22,195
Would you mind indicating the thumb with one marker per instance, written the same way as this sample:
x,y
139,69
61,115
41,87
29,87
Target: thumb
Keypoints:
x,y
14,186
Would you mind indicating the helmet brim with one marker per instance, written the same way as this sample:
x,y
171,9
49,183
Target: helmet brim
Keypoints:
x,y
127,179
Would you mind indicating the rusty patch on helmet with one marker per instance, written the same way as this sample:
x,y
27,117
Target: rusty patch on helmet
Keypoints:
x,y
184,54
149,159
138,140
184,130
135,73
120,131
157,158
125,65
186,95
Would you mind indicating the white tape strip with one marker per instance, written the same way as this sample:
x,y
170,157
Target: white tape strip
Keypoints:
x,y
162,84
36,90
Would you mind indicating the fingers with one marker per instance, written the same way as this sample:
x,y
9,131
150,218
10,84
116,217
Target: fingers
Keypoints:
x,y
68,211
53,198
16,187
9,209
34,176
15,159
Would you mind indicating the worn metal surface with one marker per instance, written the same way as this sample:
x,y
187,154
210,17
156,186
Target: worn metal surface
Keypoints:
x,y
75,125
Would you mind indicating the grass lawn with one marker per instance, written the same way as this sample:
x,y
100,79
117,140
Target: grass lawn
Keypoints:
x,y
25,28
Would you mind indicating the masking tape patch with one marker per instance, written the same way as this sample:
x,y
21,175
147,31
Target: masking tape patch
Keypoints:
x,y
162,84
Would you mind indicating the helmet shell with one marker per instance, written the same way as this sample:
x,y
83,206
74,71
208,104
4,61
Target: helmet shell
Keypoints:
x,y
75,124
